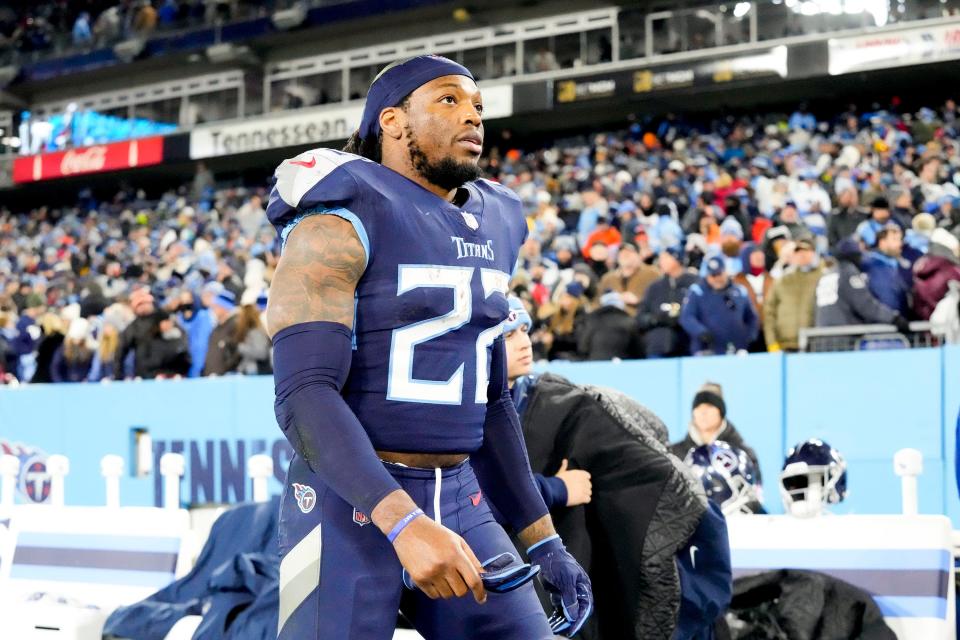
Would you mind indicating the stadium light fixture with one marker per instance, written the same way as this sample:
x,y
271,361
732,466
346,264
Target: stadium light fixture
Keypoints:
x,y
291,18
742,9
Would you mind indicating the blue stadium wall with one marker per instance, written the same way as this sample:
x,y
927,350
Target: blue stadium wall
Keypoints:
x,y
867,404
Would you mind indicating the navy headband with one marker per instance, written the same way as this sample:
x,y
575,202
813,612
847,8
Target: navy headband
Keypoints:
x,y
395,83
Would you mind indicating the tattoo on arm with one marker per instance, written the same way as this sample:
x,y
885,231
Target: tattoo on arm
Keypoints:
x,y
537,531
317,275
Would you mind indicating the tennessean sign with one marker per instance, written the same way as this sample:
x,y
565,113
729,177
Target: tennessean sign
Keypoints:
x,y
308,126
141,152
274,132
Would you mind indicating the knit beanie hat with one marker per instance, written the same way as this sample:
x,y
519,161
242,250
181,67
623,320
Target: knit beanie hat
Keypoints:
x,y
711,398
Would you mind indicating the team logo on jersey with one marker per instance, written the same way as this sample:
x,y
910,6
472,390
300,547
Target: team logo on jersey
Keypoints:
x,y
475,498
306,497
33,480
471,220
360,518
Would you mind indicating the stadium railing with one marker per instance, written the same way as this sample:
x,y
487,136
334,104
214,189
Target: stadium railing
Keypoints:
x,y
865,337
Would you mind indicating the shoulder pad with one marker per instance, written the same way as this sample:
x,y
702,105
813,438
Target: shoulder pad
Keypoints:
x,y
498,188
296,176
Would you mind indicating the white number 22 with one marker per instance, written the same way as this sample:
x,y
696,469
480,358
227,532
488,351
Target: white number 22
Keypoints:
x,y
401,385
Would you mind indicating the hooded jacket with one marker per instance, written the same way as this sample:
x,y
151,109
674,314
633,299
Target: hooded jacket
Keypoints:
x,y
646,504
931,273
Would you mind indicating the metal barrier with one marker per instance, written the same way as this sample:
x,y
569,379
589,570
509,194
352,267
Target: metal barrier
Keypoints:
x,y
866,337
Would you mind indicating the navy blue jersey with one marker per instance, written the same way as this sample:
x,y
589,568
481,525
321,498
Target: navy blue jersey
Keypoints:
x,y
431,299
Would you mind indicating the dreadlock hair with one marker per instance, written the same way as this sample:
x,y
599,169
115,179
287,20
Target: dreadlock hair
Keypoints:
x,y
370,148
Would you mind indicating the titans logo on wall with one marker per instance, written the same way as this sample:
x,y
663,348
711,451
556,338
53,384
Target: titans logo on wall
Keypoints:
x,y
33,481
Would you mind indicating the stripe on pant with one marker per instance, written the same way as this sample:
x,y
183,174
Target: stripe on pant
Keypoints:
x,y
299,574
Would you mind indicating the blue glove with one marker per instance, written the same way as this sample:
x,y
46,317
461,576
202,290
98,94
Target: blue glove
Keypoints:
x,y
500,574
567,583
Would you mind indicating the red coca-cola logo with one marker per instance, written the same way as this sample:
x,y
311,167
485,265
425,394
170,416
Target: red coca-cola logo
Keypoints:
x,y
83,161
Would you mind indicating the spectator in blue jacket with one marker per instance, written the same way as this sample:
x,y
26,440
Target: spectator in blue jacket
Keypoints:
x,y
890,278
28,335
717,314
199,322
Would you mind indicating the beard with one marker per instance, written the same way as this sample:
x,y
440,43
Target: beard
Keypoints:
x,y
446,173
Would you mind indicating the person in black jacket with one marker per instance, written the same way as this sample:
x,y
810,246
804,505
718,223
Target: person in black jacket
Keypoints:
x,y
158,344
709,424
609,331
658,315
632,536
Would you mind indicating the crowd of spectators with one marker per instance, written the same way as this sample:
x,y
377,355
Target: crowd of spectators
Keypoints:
x,y
674,239
131,288
57,25
666,239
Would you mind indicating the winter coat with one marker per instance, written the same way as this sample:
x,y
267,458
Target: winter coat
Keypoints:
x,y
45,351
843,298
646,504
658,316
609,333
255,353
804,605
637,284
931,274
199,327
564,346
843,223
729,434
890,280
136,337
715,319
790,307
743,280
223,355
233,584
63,371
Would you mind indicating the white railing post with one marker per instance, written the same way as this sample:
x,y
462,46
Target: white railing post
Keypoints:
x,y
111,468
260,469
172,468
908,464
9,470
58,466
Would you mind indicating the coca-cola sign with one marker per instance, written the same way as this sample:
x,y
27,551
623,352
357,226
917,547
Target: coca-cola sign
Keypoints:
x,y
140,152
83,160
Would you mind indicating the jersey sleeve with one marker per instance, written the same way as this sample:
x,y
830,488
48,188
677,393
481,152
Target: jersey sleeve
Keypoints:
x,y
318,182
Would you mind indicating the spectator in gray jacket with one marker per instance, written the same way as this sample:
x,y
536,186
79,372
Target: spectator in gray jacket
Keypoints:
x,y
843,294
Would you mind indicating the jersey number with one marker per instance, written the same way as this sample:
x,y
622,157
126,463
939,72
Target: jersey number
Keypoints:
x,y
401,385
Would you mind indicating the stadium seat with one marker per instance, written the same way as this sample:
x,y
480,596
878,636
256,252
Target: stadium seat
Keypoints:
x,y
70,567
904,562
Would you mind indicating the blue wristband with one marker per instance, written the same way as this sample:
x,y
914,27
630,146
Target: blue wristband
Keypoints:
x,y
402,524
545,541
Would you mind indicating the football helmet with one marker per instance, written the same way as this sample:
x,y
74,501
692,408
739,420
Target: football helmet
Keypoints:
x,y
728,475
814,475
